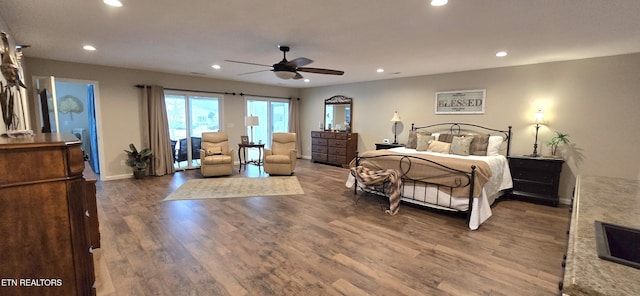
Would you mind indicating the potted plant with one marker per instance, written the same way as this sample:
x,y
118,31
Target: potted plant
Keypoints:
x,y
138,160
558,139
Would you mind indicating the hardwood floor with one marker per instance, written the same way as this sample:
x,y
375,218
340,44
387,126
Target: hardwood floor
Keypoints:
x,y
318,243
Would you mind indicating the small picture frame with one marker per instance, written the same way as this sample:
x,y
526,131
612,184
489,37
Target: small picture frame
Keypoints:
x,y
244,140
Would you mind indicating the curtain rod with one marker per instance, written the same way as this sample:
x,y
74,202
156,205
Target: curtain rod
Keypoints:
x,y
214,92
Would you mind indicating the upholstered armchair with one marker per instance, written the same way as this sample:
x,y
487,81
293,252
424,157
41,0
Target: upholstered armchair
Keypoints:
x,y
281,158
215,157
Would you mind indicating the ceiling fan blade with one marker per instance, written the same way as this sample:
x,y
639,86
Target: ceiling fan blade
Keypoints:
x,y
247,63
253,72
320,71
298,76
301,61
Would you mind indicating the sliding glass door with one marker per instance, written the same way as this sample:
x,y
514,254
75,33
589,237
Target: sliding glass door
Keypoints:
x,y
190,115
273,117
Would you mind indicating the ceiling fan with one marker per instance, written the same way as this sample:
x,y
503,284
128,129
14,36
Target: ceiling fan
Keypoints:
x,y
289,69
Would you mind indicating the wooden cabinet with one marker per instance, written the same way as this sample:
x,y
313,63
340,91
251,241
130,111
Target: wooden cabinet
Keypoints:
x,y
45,245
337,148
535,179
92,206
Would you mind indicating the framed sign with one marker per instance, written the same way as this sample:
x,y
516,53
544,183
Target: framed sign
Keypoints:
x,y
244,140
461,102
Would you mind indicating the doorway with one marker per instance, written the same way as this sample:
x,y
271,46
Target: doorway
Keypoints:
x,y
70,106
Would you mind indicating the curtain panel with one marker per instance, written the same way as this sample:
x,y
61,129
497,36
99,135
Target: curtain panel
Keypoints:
x,y
294,124
156,130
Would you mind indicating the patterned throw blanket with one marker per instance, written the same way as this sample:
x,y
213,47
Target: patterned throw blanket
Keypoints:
x,y
371,178
429,169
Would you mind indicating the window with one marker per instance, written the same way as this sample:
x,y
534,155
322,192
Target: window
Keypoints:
x,y
190,115
273,117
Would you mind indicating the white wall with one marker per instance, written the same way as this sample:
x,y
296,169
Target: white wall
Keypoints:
x,y
595,101
119,103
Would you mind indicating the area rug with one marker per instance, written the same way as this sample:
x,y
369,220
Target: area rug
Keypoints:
x,y
236,187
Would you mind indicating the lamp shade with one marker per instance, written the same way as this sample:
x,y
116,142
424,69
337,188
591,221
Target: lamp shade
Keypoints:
x,y
285,74
539,117
396,117
251,120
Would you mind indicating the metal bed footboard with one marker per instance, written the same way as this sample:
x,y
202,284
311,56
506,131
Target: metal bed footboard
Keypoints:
x,y
462,179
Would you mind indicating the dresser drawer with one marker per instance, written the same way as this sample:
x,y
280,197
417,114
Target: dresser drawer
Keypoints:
x,y
533,164
329,135
536,188
342,136
319,156
535,176
318,141
337,151
337,143
319,149
336,158
316,134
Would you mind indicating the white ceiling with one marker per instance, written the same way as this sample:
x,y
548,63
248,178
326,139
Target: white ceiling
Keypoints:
x,y
406,38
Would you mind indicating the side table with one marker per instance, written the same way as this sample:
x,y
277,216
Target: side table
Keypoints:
x,y
242,154
536,179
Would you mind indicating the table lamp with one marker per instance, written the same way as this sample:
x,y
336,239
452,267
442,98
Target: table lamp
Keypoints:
x,y
539,117
251,121
395,120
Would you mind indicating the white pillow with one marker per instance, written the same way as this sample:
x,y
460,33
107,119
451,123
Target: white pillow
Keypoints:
x,y
494,145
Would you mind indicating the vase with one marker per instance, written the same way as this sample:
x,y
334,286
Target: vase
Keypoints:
x,y
139,174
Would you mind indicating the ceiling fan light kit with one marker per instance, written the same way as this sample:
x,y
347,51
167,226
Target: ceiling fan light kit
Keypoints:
x,y
285,74
289,69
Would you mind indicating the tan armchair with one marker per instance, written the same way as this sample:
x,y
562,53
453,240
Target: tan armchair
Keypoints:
x,y
215,157
281,158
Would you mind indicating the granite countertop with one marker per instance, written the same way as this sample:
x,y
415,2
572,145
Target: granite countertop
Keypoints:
x,y
610,200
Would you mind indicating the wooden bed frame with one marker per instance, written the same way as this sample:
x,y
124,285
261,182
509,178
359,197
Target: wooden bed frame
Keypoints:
x,y
464,178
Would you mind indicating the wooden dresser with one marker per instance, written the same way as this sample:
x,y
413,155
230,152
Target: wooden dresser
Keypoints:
x,y
44,214
337,148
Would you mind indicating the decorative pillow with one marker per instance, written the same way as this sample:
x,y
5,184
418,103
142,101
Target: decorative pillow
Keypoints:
x,y
441,147
460,145
495,142
423,142
412,142
479,145
445,138
215,150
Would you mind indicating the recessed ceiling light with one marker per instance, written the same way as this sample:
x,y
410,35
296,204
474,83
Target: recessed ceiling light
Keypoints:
x,y
380,70
501,54
89,47
217,67
307,80
114,3
438,2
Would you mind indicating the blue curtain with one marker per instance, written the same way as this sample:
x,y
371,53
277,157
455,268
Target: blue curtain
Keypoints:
x,y
93,132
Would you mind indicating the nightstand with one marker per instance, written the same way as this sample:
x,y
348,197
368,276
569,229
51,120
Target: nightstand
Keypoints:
x,y
535,179
380,146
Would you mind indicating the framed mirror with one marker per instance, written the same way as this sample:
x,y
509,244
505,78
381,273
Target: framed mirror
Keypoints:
x,y
337,114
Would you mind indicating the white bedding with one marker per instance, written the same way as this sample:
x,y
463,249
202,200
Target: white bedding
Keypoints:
x,y
500,180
